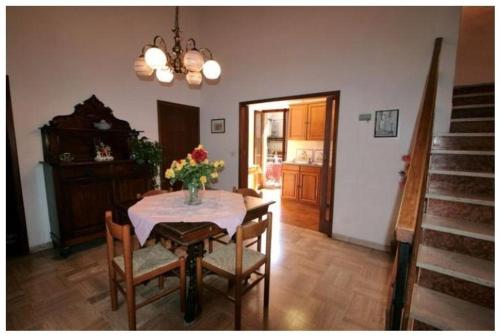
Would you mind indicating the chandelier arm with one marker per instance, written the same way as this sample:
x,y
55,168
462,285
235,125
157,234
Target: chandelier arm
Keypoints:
x,y
191,44
161,42
205,51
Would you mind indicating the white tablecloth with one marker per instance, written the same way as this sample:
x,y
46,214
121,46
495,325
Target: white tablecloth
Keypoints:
x,y
226,209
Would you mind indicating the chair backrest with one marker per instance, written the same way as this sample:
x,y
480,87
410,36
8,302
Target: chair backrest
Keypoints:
x,y
253,230
154,192
247,192
119,232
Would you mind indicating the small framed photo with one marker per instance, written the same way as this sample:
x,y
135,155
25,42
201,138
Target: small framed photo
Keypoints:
x,y
303,155
218,125
386,123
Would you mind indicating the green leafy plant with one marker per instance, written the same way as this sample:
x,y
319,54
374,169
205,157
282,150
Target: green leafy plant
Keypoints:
x,y
147,152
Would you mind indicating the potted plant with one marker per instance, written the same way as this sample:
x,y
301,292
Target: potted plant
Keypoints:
x,y
195,172
147,152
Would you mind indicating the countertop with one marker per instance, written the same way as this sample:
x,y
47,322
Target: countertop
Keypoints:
x,y
302,164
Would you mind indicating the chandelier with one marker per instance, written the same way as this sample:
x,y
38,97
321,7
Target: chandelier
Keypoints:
x,y
191,61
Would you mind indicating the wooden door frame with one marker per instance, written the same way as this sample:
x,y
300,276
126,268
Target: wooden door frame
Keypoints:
x,y
243,140
11,136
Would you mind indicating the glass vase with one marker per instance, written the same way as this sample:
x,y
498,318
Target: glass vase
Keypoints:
x,y
193,195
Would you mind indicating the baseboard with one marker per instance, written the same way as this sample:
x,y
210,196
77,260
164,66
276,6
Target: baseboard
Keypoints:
x,y
361,242
41,247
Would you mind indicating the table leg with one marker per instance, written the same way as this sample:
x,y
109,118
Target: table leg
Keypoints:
x,y
192,308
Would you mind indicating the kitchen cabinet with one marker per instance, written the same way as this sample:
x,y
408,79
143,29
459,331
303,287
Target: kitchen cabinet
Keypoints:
x,y
307,121
301,183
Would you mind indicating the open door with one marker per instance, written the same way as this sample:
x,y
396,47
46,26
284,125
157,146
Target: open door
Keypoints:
x,y
328,172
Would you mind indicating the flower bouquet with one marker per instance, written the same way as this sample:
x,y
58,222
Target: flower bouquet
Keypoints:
x,y
195,172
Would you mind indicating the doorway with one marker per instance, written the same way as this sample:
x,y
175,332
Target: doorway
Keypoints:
x,y
178,134
301,181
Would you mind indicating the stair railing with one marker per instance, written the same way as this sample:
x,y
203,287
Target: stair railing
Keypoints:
x,y
409,218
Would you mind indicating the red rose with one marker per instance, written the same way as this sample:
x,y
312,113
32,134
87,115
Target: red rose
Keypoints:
x,y
405,158
199,155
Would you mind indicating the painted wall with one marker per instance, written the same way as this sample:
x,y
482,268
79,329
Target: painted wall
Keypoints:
x,y
476,46
59,56
377,57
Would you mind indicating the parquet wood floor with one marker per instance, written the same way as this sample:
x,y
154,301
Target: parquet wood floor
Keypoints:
x,y
316,284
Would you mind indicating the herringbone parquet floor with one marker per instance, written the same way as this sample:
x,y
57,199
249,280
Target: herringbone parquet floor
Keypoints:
x,y
316,284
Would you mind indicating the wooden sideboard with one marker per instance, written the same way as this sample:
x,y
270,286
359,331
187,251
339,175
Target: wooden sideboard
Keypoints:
x,y
80,190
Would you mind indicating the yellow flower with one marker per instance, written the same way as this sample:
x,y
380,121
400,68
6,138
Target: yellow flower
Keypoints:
x,y
200,146
205,161
214,175
221,163
188,156
169,173
174,163
192,162
203,179
179,166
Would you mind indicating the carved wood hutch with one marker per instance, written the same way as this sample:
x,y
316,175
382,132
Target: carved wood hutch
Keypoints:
x,y
80,189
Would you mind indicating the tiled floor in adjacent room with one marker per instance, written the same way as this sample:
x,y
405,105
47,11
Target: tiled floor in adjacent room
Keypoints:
x,y
316,284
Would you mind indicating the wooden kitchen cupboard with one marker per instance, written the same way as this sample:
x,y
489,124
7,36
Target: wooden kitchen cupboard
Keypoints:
x,y
80,190
301,183
307,121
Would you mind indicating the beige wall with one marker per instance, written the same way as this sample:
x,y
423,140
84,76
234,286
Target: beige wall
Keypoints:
x,y
377,57
58,57
476,46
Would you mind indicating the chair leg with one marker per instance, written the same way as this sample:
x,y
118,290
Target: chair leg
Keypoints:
x,y
199,280
210,245
237,304
266,285
131,306
182,283
113,289
161,281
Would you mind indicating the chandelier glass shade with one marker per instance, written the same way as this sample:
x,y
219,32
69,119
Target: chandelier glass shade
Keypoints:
x,y
188,61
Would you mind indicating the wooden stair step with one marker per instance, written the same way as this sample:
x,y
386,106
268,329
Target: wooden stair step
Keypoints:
x,y
458,134
462,152
459,226
472,119
461,173
473,94
457,265
446,312
473,106
474,88
469,199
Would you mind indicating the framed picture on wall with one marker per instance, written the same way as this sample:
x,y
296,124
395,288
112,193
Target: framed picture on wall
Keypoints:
x,y
386,123
218,125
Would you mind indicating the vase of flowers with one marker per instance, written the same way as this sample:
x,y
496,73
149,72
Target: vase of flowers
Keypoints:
x,y
195,172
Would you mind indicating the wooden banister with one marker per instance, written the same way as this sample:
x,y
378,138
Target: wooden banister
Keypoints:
x,y
411,208
414,190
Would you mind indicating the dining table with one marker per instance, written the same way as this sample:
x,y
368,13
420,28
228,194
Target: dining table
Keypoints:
x,y
192,235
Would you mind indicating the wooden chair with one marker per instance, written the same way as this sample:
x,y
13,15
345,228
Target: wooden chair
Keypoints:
x,y
136,267
222,237
237,263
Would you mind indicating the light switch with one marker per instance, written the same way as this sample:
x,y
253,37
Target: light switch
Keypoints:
x,y
365,117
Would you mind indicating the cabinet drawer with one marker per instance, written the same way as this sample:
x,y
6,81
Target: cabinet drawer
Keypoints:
x,y
85,171
290,167
309,169
129,169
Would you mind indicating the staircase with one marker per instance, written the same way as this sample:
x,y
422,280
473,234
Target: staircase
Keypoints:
x,y
455,261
